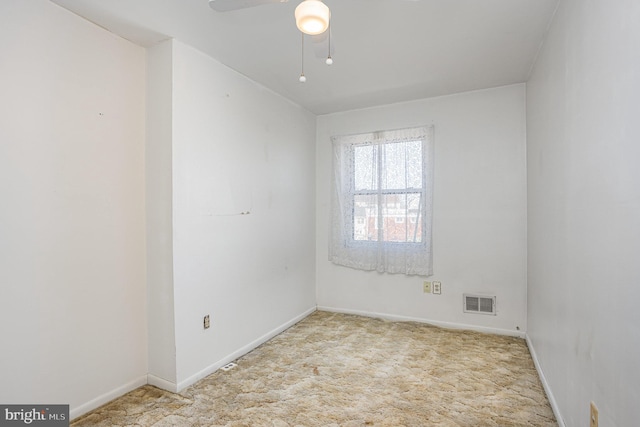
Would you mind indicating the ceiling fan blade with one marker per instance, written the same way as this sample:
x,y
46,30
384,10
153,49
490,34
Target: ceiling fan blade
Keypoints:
x,y
229,5
321,44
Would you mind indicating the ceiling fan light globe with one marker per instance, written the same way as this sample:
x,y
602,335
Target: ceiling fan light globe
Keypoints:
x,y
312,17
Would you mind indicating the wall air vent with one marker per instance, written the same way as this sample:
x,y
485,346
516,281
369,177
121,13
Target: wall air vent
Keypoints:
x,y
479,304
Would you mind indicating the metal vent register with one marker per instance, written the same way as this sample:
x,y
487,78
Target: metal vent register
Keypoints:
x,y
479,304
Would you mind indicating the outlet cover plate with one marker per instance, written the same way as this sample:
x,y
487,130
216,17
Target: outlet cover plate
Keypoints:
x,y
437,288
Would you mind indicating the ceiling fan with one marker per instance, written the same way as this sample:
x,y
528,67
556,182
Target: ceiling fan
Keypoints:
x,y
312,18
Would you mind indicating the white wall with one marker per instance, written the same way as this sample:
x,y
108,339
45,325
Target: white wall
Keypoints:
x,y
72,257
479,226
159,214
583,100
237,148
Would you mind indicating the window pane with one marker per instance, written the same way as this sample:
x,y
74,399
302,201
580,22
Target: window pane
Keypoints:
x,y
396,209
402,165
415,215
365,217
365,167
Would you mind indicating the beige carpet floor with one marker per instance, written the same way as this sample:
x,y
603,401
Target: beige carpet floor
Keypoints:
x,y
341,370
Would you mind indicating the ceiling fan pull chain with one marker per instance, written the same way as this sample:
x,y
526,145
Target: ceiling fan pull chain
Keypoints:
x,y
329,60
302,78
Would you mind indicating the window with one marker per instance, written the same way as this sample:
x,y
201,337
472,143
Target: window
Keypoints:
x,y
386,186
382,201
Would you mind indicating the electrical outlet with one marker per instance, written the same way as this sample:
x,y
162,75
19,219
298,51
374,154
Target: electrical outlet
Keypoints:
x,y
426,287
594,415
206,322
437,288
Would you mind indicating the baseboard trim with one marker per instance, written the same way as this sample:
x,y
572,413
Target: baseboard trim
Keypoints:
x,y
173,387
242,351
107,397
162,383
448,325
547,389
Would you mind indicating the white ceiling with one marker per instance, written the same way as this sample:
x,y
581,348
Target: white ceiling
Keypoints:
x,y
386,51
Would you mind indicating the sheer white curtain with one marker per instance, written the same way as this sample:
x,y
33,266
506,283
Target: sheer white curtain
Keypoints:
x,y
381,201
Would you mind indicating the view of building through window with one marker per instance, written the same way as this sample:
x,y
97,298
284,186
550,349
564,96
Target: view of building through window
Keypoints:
x,y
400,216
